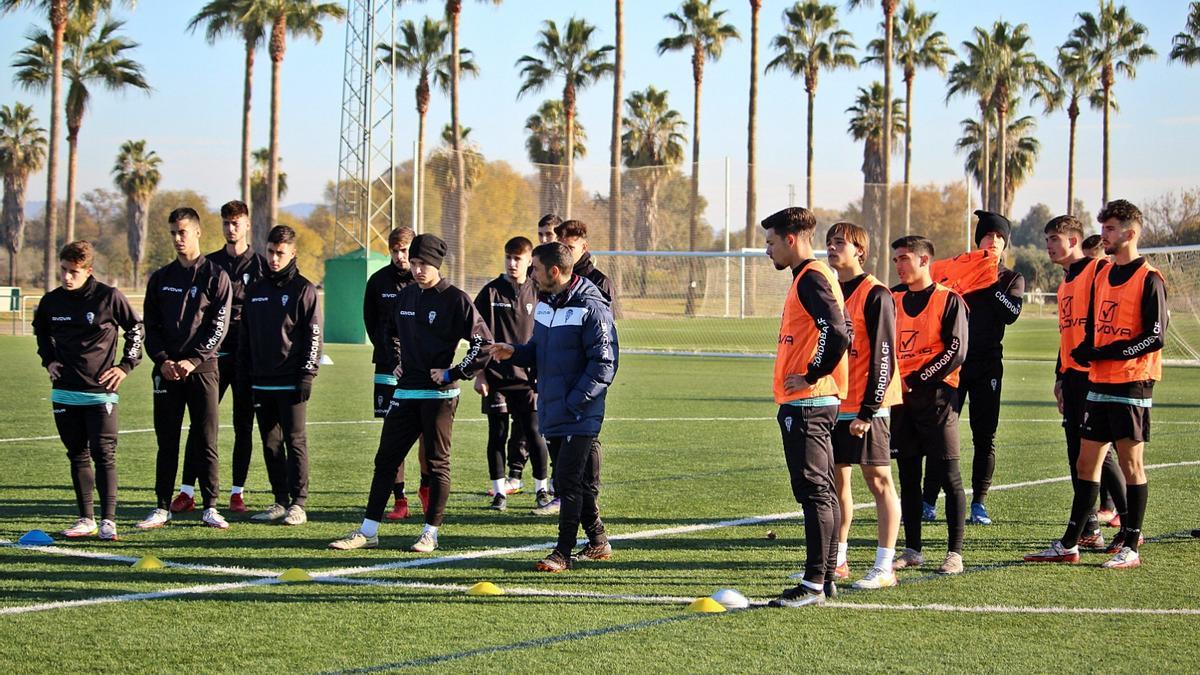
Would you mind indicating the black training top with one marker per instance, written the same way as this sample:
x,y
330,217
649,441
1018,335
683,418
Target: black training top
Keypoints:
x,y
426,329
507,309
78,329
379,301
187,313
281,330
243,270
993,309
585,268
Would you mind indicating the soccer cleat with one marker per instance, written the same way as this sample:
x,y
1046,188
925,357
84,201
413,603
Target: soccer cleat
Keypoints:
x,y
555,562
157,518
276,512
213,518
423,495
928,512
842,572
1118,542
551,508
1196,534
426,543
1125,559
979,515
295,515
513,486
799,596
108,530
354,540
1093,541
876,578
952,565
1057,553
1106,516
237,503
399,510
1115,522
183,502
908,558
83,527
499,503
542,499
594,552
831,589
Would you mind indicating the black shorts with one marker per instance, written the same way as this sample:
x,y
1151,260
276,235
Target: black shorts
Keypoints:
x,y
509,401
925,425
872,449
1106,422
1074,397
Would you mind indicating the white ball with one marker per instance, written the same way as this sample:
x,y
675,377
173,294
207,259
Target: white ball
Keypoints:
x,y
730,599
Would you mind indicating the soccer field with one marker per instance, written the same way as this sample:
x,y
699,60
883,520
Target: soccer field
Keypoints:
x,y
694,478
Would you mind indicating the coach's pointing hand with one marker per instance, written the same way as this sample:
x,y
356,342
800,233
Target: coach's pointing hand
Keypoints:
x,y
500,351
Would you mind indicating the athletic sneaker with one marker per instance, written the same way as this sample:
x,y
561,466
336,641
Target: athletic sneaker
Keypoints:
x,y
295,515
594,552
354,540
108,530
551,508
237,503
842,572
83,527
183,502
979,515
830,589
798,596
928,512
542,499
876,578
399,510
1115,522
1105,516
952,565
157,518
499,503
426,543
1093,541
213,518
1118,542
513,486
555,562
276,512
908,558
1125,559
1196,534
1057,553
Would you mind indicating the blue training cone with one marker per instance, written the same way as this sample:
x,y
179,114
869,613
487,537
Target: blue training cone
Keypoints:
x,y
35,538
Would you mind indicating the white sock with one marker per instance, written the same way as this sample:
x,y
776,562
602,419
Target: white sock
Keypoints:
x,y
369,527
541,484
237,490
813,586
431,529
187,490
883,558
498,487
841,556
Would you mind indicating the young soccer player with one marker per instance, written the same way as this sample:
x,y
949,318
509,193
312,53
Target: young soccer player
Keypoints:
x,y
863,435
506,304
76,326
187,318
931,330
811,372
1122,348
1107,514
244,267
546,229
431,318
279,353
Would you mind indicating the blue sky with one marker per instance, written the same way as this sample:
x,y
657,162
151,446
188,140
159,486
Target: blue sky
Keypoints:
x,y
192,118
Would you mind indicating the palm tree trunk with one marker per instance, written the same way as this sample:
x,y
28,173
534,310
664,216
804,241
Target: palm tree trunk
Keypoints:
x,y
1001,155
246,101
453,10
908,89
1107,103
279,33
889,10
808,162
58,20
420,169
1071,164
985,190
570,177
614,150
12,268
689,308
751,152
72,171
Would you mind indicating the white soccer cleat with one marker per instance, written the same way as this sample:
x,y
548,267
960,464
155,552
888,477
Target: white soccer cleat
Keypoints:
x,y
276,512
213,518
83,527
108,530
952,565
354,540
876,578
426,543
908,558
295,515
157,518
1125,559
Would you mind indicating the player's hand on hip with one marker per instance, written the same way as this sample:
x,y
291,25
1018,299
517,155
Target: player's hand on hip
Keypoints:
x,y
440,375
500,351
168,370
55,370
795,383
112,378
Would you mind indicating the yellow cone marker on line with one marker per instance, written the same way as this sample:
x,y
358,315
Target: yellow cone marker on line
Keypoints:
x,y
485,588
706,605
148,562
295,574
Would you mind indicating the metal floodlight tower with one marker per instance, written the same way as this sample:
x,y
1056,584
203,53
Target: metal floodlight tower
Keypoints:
x,y
364,203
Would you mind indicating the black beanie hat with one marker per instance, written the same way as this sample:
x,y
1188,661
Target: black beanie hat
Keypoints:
x,y
991,222
429,249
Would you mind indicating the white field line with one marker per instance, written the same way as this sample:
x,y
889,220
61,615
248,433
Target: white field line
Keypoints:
x,y
111,557
1009,609
132,597
515,590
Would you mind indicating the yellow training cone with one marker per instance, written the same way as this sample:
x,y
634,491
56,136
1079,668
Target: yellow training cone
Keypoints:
x,y
485,588
706,605
148,562
295,574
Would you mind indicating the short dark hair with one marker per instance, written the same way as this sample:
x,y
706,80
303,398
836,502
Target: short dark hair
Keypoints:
x,y
1067,224
78,253
518,246
184,213
549,220
555,254
401,236
234,209
571,229
915,243
1091,243
281,234
792,220
1124,211
855,234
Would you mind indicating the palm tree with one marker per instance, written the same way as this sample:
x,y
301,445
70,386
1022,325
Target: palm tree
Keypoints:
x,y
22,152
246,20
300,18
260,176
570,56
1116,44
422,54
652,146
1185,46
867,117
547,147
136,174
917,46
443,167
57,11
752,130
973,76
614,142
1021,147
1075,79
812,41
95,54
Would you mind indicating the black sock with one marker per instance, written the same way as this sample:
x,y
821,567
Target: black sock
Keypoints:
x,y
398,490
1086,494
514,474
1132,523
426,480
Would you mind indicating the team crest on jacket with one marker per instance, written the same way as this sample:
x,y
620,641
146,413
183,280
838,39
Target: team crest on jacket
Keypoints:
x,y
283,300
529,308
193,291
90,316
245,278
569,313
432,316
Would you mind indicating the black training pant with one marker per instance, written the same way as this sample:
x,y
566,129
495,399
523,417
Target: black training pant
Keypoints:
x,y
406,421
198,393
808,448
282,420
89,433
1112,479
925,428
243,422
518,449
981,382
578,480
498,430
